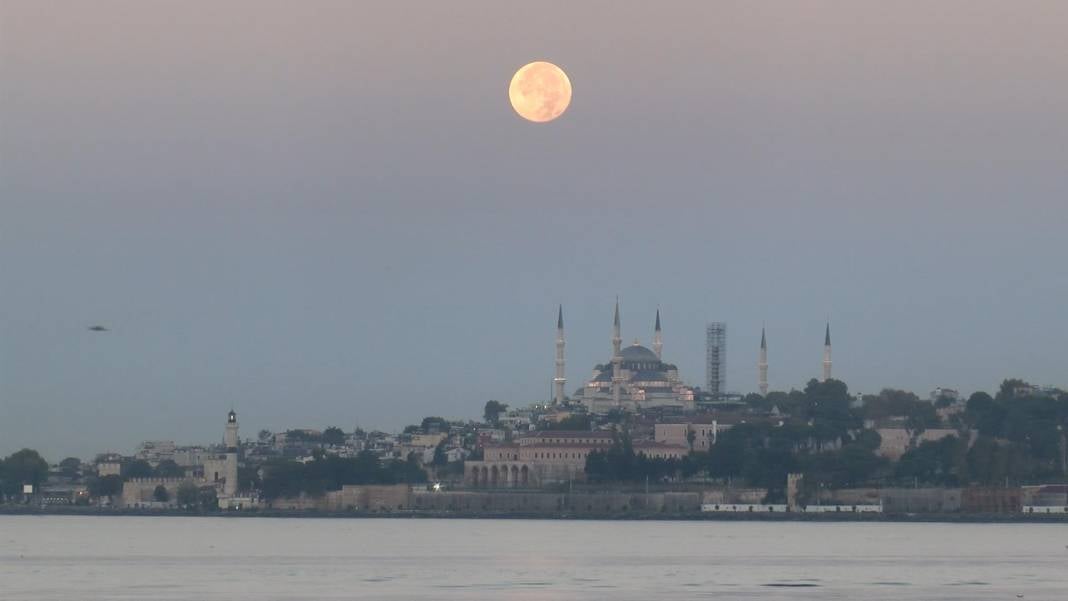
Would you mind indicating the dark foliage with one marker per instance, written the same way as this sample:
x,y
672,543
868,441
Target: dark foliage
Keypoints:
x,y
137,469
22,467
328,472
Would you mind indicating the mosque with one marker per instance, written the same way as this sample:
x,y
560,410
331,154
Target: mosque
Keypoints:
x,y
634,378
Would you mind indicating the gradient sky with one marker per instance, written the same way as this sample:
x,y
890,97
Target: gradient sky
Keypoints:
x,y
327,213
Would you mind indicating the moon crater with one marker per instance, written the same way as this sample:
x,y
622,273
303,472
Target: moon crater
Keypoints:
x,y
540,92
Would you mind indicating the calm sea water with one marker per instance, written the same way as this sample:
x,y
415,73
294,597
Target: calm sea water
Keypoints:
x,y
82,558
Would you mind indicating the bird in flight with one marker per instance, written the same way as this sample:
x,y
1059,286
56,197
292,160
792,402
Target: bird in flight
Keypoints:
x,y
98,329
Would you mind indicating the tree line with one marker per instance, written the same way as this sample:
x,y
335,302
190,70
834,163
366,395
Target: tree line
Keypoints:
x,y
1012,437
21,468
288,479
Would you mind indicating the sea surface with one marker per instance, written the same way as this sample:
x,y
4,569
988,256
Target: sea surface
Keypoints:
x,y
197,559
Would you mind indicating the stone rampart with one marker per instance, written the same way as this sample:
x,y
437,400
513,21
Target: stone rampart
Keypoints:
x,y
385,497
138,491
555,503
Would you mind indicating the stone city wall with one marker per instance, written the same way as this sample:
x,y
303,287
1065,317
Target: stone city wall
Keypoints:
x,y
400,498
393,497
544,502
733,496
900,500
992,500
137,491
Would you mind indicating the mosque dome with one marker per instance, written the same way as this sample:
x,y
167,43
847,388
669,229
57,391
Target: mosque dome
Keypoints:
x,y
634,378
639,353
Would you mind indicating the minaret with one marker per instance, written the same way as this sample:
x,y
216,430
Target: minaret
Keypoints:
x,y
658,341
559,380
762,364
617,358
827,354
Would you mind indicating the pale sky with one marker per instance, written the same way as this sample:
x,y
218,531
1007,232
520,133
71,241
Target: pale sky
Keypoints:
x,y
327,212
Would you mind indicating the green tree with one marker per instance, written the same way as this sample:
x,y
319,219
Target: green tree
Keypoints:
x,y
334,436
852,465
440,458
940,463
22,467
71,467
493,410
576,422
919,415
783,400
160,494
828,403
1007,391
187,494
265,436
620,463
208,498
168,469
984,414
993,462
433,425
248,478
756,401
944,401
105,486
286,479
137,469
282,479
302,436
736,448
869,439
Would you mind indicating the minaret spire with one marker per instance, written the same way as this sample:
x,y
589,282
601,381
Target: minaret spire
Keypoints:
x,y
559,380
827,353
762,363
617,358
658,340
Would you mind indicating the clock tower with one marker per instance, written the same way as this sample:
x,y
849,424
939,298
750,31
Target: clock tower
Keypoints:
x,y
230,439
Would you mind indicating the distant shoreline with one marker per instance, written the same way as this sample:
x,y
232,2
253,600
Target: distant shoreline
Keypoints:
x,y
1001,518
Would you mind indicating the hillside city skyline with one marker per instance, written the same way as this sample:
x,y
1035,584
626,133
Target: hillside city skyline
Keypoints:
x,y
359,228
577,375
480,300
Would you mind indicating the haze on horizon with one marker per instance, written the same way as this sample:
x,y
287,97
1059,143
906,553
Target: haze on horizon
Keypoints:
x,y
327,213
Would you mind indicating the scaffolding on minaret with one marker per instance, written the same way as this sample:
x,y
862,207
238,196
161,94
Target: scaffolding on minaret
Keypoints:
x,y
716,359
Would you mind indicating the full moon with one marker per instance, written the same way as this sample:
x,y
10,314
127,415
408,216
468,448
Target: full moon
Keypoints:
x,y
540,92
